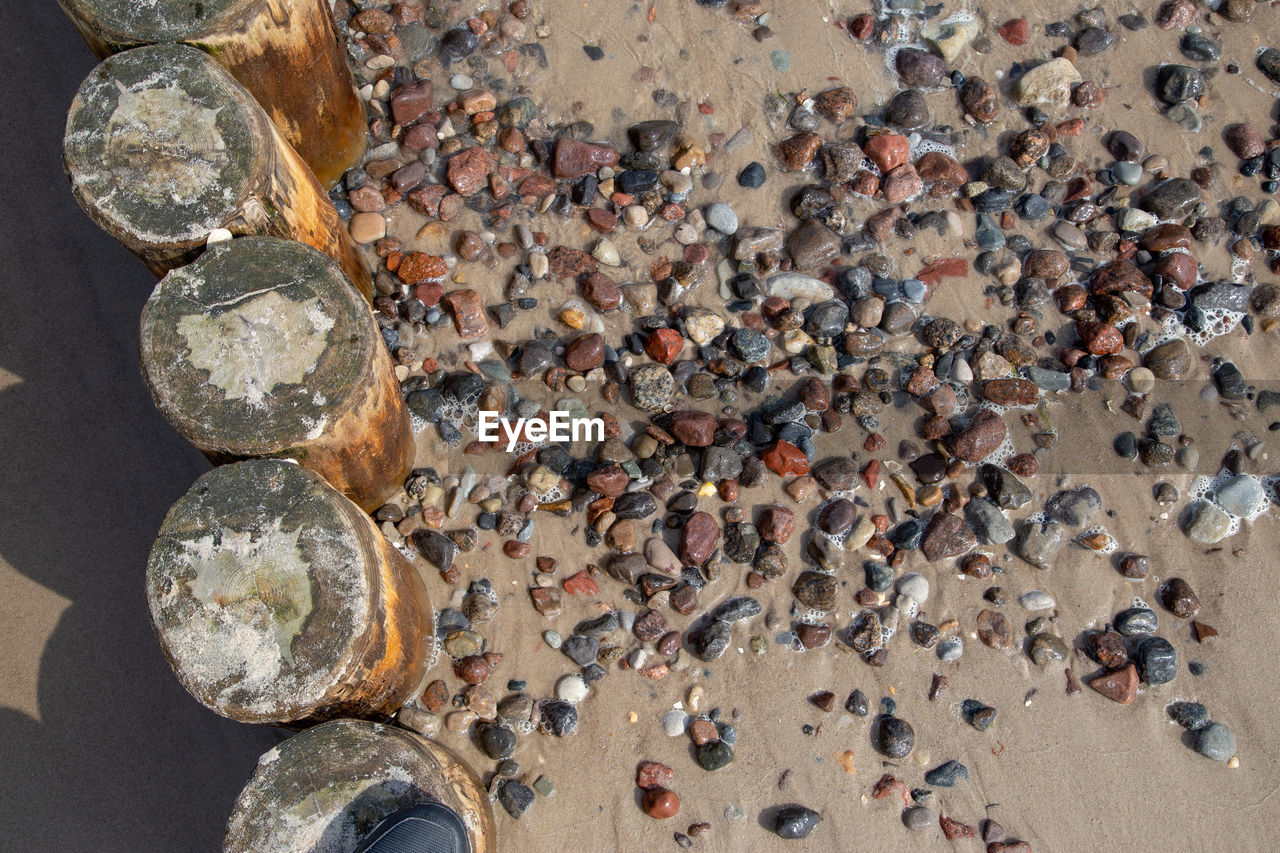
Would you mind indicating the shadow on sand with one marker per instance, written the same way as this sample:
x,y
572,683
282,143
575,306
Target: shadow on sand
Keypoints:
x,y
121,758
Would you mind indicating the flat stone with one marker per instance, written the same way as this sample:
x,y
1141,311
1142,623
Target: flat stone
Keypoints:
x,y
1038,542
1207,524
792,822
1120,686
1048,85
1215,741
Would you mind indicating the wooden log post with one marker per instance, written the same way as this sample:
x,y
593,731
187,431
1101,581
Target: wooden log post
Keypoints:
x,y
328,787
276,600
286,53
163,147
261,347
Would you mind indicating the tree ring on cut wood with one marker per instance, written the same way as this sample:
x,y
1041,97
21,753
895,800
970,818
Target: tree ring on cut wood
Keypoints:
x,y
286,53
262,347
150,21
326,788
162,144
275,599
164,147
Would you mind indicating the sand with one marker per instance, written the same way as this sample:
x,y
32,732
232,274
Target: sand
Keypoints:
x,y
90,709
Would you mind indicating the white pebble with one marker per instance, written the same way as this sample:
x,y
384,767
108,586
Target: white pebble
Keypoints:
x,y
1036,600
914,586
539,265
571,688
606,253
674,722
461,82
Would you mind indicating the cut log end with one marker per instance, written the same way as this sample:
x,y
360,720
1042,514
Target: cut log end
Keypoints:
x,y
335,782
130,22
274,603
256,346
162,146
258,590
263,347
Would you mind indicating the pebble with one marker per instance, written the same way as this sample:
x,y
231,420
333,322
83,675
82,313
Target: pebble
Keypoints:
x,y
894,737
794,822
946,775
1216,741
674,722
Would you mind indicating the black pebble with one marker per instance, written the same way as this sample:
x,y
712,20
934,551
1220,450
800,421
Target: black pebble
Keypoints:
x,y
752,177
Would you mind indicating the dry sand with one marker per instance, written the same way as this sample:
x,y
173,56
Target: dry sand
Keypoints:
x,y
92,719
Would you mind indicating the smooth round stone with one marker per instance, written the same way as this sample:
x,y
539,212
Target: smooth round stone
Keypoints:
x,y
1239,495
1047,648
1069,236
461,82
1141,380
1176,84
1192,716
947,774
1129,174
1216,741
721,217
917,819
571,688
1036,599
914,290
497,742
714,755
1093,41
1157,661
894,737
1207,524
1136,621
674,722
915,586
907,110
950,650
794,822
1199,48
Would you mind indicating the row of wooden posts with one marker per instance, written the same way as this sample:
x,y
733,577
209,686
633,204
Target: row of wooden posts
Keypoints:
x,y
204,142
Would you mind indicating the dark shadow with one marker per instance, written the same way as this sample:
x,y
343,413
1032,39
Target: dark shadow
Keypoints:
x,y
121,758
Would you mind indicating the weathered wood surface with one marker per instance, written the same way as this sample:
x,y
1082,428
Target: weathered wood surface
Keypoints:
x,y
163,147
277,600
286,53
262,347
325,789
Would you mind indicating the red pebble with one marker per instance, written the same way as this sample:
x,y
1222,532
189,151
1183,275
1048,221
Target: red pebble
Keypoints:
x,y
1015,31
660,803
581,584
664,345
652,774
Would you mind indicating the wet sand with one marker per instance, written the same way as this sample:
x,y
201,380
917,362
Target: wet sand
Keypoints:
x,y
89,705
1063,772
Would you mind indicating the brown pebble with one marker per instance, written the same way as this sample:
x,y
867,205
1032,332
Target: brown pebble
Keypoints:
x,y
436,696
652,775
703,731
1203,631
669,643
660,803
826,700
1178,597
1120,686
954,829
